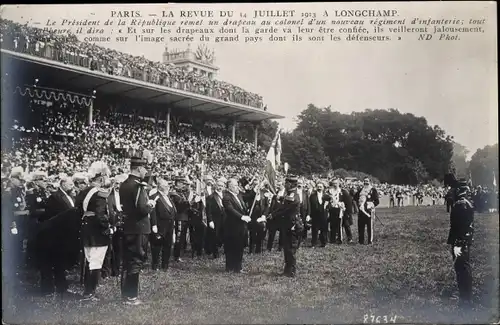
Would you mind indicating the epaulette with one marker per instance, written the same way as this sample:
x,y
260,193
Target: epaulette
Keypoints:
x,y
103,193
141,183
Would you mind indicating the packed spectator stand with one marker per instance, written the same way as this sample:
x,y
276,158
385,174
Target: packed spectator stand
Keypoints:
x,y
68,49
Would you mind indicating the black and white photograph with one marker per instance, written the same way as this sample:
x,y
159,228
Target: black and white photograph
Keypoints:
x,y
250,163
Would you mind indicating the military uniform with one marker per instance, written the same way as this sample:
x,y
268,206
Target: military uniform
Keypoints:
x,y
291,226
460,238
96,233
136,230
182,205
12,228
36,199
449,200
273,224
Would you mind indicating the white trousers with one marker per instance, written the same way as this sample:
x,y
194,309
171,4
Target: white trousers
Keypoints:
x,y
95,256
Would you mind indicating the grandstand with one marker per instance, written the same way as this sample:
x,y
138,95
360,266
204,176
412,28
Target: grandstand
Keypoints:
x,y
68,103
128,84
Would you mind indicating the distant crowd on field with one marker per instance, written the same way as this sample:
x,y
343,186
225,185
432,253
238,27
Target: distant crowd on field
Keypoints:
x,y
69,50
55,138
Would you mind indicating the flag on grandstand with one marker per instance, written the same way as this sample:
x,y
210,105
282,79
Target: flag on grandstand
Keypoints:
x,y
470,179
494,180
273,161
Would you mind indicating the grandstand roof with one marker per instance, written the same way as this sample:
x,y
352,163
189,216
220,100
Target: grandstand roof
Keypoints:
x,y
78,77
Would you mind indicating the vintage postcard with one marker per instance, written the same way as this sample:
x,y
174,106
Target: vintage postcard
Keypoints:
x,y
277,163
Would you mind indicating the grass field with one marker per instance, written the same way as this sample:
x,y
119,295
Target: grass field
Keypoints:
x,y
406,276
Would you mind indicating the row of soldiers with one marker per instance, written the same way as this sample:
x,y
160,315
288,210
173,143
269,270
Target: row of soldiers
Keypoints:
x,y
116,222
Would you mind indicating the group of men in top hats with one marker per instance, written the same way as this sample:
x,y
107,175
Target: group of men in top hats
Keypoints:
x,y
115,220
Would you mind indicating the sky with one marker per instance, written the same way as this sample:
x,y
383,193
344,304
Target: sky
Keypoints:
x,y
452,84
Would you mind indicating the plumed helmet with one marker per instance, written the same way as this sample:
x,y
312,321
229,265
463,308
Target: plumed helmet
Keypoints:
x,y
97,169
17,172
80,177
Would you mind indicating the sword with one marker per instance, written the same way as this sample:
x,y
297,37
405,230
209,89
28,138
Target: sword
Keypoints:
x,y
122,266
376,217
83,263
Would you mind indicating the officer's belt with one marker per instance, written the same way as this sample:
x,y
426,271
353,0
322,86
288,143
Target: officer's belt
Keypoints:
x,y
40,210
21,213
88,214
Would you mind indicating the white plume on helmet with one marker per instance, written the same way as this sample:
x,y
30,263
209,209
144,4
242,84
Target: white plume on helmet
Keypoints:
x,y
78,176
17,172
98,168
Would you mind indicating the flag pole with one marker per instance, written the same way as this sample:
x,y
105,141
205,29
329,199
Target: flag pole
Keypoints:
x,y
263,174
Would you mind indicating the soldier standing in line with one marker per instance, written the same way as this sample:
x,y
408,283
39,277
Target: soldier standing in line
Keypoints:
x,y
292,227
136,228
460,239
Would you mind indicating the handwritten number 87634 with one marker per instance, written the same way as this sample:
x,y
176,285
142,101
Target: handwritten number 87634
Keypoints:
x,y
372,319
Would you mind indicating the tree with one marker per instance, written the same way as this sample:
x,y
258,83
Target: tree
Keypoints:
x,y
394,147
459,160
304,154
483,164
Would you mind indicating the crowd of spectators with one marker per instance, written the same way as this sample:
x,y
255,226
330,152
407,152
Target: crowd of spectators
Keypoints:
x,y
61,142
68,49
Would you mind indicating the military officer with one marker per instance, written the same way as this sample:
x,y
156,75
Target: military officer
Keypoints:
x,y
460,239
12,232
96,226
291,224
36,198
136,228
179,196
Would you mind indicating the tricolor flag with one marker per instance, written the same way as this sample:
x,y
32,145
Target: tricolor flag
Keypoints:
x,y
273,161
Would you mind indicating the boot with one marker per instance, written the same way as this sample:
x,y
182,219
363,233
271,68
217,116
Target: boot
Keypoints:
x,y
91,285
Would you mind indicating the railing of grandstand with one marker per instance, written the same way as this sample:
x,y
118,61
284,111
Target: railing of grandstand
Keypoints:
x,y
56,53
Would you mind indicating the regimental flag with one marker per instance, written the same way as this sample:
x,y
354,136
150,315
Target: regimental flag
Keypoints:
x,y
470,179
200,190
494,180
273,161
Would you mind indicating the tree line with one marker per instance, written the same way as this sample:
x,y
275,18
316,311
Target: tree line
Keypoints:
x,y
390,146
